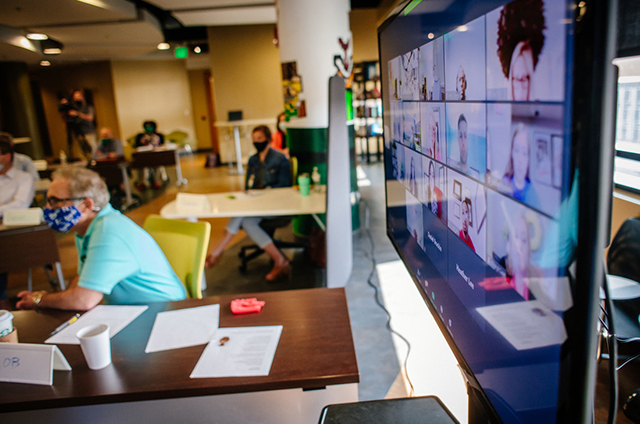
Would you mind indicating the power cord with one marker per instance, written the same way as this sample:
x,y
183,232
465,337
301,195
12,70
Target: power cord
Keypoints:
x,y
379,302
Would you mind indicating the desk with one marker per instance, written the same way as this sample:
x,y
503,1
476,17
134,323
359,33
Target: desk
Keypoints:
x,y
314,365
115,173
28,247
159,157
51,168
268,202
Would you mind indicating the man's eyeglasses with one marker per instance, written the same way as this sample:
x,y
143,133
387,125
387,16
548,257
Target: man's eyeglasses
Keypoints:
x,y
54,201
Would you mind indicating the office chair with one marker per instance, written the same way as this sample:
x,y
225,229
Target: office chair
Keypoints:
x,y
270,225
623,258
623,261
185,245
180,139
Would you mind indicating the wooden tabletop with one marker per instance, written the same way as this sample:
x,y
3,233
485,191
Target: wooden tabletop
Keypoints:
x,y
268,202
315,350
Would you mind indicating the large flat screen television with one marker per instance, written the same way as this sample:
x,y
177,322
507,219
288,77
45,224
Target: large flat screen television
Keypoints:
x,y
498,125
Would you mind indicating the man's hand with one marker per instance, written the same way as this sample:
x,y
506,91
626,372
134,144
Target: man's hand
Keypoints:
x,y
27,299
72,112
74,298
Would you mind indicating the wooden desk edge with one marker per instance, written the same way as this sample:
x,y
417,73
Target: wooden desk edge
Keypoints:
x,y
237,385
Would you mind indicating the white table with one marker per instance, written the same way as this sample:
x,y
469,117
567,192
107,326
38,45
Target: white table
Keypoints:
x,y
267,202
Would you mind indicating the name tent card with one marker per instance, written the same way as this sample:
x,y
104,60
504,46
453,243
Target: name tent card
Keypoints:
x,y
189,202
30,363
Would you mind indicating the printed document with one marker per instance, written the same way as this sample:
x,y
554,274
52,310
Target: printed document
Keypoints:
x,y
239,352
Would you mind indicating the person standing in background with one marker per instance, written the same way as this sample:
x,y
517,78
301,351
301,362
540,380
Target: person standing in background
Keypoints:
x,y
279,138
80,118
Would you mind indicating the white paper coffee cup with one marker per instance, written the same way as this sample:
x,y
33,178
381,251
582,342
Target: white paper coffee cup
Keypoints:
x,y
96,345
6,322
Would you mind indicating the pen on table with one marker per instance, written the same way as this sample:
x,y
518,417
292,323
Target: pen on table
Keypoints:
x,y
65,324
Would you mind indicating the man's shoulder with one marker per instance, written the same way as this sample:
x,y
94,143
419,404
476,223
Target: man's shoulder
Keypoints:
x,y
19,174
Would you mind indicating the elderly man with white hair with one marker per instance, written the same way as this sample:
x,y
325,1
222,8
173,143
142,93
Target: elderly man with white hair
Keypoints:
x,y
118,261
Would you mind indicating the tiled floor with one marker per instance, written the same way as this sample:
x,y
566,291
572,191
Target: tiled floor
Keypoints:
x,y
378,356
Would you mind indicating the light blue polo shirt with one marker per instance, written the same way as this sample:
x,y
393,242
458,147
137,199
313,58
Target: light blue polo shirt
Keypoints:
x,y
119,259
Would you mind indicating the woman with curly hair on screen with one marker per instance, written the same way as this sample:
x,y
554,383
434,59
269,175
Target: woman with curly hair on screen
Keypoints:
x,y
520,42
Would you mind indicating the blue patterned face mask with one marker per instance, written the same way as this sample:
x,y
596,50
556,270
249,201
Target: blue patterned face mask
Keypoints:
x,y
62,219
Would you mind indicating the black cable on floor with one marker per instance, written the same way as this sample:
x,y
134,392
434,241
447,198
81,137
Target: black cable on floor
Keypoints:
x,y
379,302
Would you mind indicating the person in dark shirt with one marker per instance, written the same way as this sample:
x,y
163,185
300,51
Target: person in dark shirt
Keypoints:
x,y
149,140
266,169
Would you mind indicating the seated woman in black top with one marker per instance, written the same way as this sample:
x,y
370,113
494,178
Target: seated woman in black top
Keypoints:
x,y
267,168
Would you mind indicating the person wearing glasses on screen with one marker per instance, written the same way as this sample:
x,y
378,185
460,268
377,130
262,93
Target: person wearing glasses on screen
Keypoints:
x,y
516,181
520,42
464,231
118,261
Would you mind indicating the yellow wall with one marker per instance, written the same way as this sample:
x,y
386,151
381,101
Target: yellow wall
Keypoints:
x,y
365,34
245,65
625,205
153,90
199,106
94,76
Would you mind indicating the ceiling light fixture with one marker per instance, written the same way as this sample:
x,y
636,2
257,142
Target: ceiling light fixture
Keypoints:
x,y
197,50
53,50
45,63
164,46
37,36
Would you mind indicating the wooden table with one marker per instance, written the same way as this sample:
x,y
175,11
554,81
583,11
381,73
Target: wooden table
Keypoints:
x,y
161,156
28,247
314,365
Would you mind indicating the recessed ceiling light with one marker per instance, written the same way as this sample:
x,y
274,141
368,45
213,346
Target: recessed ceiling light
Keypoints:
x,y
431,35
45,63
164,46
53,50
37,36
197,49
463,28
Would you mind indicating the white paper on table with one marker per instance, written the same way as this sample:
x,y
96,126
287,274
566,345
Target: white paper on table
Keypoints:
x,y
526,325
183,328
116,317
247,352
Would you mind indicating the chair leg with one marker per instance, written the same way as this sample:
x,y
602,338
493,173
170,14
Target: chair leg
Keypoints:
x,y
246,258
29,284
60,276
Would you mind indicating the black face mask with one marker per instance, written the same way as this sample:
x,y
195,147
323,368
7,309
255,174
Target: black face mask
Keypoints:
x,y
261,146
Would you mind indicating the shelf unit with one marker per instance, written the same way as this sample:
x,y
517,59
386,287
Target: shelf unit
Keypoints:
x,y
367,108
